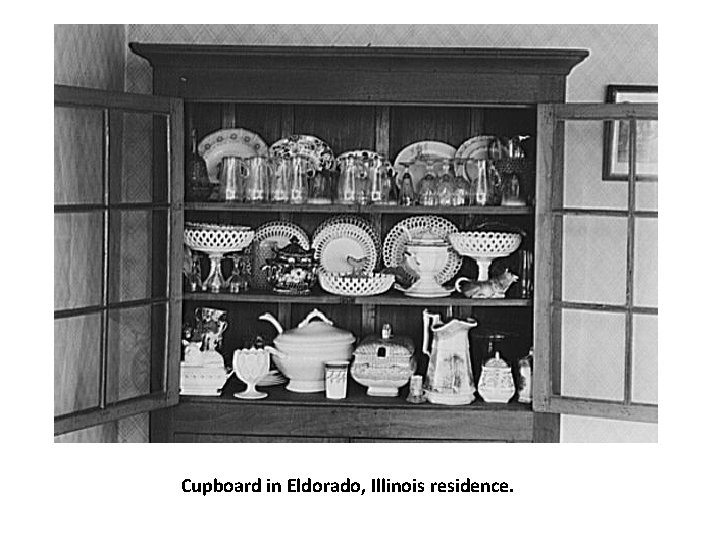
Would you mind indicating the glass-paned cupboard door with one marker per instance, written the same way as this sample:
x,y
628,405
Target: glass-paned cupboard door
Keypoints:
x,y
596,249
118,240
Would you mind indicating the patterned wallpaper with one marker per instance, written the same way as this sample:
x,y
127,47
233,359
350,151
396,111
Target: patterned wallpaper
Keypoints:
x,y
618,53
90,55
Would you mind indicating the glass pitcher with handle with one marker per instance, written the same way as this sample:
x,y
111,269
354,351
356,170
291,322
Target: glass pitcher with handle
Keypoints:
x,y
350,171
232,174
259,175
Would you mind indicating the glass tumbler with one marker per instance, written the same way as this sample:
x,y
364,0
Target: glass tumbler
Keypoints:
x,y
336,380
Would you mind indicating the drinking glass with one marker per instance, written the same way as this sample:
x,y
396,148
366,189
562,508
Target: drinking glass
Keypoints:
x,y
427,192
445,186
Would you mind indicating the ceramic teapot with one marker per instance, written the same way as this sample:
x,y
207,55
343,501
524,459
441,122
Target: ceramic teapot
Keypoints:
x,y
293,270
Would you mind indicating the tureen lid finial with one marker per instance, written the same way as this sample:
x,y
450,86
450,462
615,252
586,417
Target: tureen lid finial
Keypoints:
x,y
386,331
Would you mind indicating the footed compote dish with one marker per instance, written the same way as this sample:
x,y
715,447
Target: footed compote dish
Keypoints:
x,y
484,247
426,255
250,366
216,240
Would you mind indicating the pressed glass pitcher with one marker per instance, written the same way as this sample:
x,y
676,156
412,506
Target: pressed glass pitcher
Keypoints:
x,y
260,173
350,171
291,179
232,175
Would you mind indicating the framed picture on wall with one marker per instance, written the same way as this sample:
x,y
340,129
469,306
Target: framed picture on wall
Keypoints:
x,y
616,136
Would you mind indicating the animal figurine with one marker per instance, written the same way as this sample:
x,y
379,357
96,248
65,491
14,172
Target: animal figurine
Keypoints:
x,y
491,288
357,265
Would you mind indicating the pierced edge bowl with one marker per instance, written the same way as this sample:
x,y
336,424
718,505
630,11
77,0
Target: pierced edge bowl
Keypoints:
x,y
217,238
348,285
485,243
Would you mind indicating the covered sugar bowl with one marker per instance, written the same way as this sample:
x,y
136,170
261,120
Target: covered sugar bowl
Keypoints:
x,y
383,363
496,381
293,269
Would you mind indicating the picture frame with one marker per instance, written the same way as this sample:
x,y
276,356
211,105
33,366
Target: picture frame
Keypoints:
x,y
616,136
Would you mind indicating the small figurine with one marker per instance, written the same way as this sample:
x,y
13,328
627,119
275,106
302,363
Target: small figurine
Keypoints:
x,y
491,288
357,265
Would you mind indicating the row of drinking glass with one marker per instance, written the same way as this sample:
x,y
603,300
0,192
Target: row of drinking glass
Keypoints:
x,y
360,180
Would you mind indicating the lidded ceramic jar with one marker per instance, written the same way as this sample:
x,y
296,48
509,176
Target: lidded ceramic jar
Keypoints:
x,y
293,270
384,363
301,353
496,381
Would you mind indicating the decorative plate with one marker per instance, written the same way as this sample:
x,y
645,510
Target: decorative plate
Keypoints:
x,y
341,236
398,238
479,147
267,236
419,152
237,142
305,145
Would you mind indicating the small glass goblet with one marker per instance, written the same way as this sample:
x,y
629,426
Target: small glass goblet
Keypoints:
x,y
250,366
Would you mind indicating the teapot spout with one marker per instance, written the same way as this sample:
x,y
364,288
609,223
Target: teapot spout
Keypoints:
x,y
268,317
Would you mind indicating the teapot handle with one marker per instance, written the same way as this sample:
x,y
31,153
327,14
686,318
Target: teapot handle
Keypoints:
x,y
315,314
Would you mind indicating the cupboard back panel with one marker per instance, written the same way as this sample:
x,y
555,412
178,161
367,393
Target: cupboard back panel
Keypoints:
x,y
265,120
410,124
342,127
205,117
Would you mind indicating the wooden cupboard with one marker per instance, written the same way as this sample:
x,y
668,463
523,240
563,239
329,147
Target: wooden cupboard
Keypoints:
x,y
382,99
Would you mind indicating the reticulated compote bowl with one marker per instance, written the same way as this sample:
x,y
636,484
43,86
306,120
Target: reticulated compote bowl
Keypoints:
x,y
216,240
484,247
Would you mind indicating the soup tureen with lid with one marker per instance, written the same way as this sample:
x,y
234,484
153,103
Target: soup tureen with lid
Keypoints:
x,y
301,353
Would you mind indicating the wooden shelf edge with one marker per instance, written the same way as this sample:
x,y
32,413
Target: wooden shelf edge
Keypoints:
x,y
280,397
388,299
357,209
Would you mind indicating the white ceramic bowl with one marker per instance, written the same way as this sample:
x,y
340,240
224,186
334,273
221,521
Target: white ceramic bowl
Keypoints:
x,y
364,285
306,368
485,243
211,238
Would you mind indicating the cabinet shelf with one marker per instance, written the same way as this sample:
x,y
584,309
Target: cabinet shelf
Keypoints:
x,y
356,397
356,209
392,298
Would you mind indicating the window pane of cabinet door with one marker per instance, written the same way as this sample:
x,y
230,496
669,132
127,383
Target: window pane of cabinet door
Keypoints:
x,y
118,254
596,278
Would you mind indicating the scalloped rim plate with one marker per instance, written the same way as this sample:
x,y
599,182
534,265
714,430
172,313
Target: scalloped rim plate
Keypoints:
x,y
234,142
337,243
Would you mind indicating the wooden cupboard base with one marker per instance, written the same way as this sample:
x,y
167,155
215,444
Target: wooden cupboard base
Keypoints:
x,y
287,417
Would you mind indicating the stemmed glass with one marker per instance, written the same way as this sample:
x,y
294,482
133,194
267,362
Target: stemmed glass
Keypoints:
x,y
427,194
446,185
406,197
195,279
250,366
239,281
